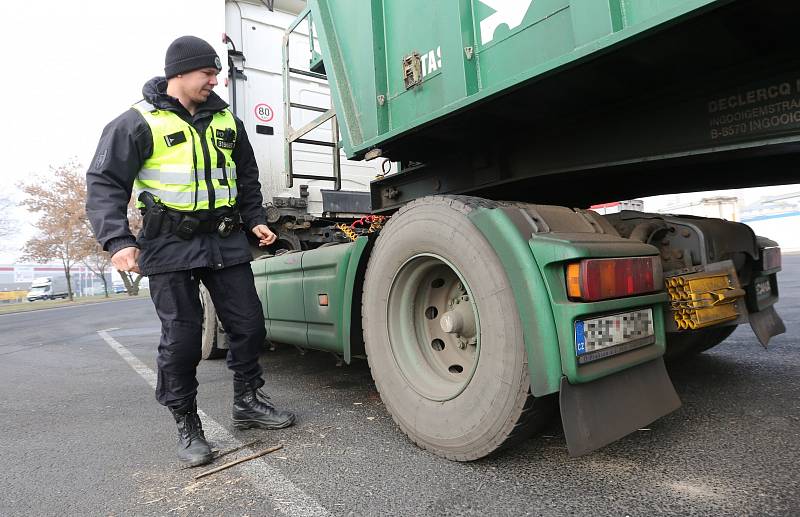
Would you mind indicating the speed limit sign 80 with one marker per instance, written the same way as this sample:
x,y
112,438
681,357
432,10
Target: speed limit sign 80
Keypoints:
x,y
264,112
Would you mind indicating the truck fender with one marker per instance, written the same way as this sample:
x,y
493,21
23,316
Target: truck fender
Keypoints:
x,y
508,231
352,338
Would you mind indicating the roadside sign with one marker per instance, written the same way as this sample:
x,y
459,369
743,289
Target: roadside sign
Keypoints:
x,y
23,274
264,112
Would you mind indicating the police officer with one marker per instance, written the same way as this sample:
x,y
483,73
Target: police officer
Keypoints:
x,y
196,180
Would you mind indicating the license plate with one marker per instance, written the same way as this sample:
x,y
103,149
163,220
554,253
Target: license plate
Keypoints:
x,y
763,288
605,336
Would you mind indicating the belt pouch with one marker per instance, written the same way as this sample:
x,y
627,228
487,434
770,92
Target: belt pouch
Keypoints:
x,y
187,227
152,221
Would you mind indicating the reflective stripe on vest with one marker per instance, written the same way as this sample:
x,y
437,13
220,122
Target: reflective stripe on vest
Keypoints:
x,y
173,198
183,177
175,172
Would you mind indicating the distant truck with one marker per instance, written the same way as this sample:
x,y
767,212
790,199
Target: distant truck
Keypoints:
x,y
48,288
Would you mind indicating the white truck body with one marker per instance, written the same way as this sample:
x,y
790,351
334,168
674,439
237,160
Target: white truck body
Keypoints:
x,y
258,33
48,288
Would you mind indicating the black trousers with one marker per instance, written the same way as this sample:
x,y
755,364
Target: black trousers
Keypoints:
x,y
176,297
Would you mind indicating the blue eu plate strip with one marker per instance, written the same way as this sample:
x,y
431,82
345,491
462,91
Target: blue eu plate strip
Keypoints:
x,y
580,338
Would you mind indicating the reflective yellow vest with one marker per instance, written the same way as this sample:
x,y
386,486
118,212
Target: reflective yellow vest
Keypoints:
x,y
182,160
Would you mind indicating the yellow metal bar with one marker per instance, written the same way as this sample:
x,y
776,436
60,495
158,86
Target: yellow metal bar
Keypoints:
x,y
704,299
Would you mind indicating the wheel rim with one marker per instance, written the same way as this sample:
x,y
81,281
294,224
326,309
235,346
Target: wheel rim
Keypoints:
x,y
433,325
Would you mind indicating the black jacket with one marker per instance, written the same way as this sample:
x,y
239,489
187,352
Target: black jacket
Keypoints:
x,y
125,144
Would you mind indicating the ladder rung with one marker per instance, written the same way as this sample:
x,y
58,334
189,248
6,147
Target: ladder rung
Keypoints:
x,y
312,177
313,142
308,74
294,135
307,107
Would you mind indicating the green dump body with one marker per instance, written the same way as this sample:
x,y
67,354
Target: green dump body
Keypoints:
x,y
468,51
496,95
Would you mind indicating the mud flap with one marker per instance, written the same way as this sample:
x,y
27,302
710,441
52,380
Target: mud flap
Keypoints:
x,y
766,324
597,413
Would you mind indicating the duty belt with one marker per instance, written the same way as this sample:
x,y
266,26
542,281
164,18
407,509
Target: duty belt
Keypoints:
x,y
187,226
160,220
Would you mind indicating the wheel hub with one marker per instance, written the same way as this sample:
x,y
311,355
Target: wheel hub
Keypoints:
x,y
433,327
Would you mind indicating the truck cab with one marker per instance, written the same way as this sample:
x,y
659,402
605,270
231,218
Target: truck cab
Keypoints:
x,y
46,288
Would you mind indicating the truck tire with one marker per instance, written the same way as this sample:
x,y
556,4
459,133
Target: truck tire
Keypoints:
x,y
443,335
213,333
686,344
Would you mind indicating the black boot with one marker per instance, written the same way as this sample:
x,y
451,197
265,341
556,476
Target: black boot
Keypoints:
x,y
193,449
252,408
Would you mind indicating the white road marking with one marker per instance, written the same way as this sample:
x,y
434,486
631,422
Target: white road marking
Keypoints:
x,y
272,484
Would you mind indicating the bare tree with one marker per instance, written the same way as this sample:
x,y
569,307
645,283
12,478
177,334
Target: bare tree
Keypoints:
x,y
95,258
61,225
64,230
6,222
92,255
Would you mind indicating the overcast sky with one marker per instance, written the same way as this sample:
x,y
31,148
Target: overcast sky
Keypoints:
x,y
72,66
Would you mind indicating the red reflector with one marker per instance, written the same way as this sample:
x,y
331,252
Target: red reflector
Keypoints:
x,y
771,258
601,279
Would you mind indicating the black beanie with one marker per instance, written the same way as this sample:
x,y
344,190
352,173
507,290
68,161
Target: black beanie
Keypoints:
x,y
189,53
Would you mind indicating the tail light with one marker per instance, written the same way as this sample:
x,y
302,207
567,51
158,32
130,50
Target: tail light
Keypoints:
x,y
600,279
770,258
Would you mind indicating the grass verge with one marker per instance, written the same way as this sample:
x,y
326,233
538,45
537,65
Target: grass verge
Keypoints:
x,y
11,308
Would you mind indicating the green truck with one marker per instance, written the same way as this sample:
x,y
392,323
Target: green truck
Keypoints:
x,y
480,289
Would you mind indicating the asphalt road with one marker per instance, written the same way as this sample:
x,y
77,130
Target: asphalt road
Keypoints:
x,y
81,434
